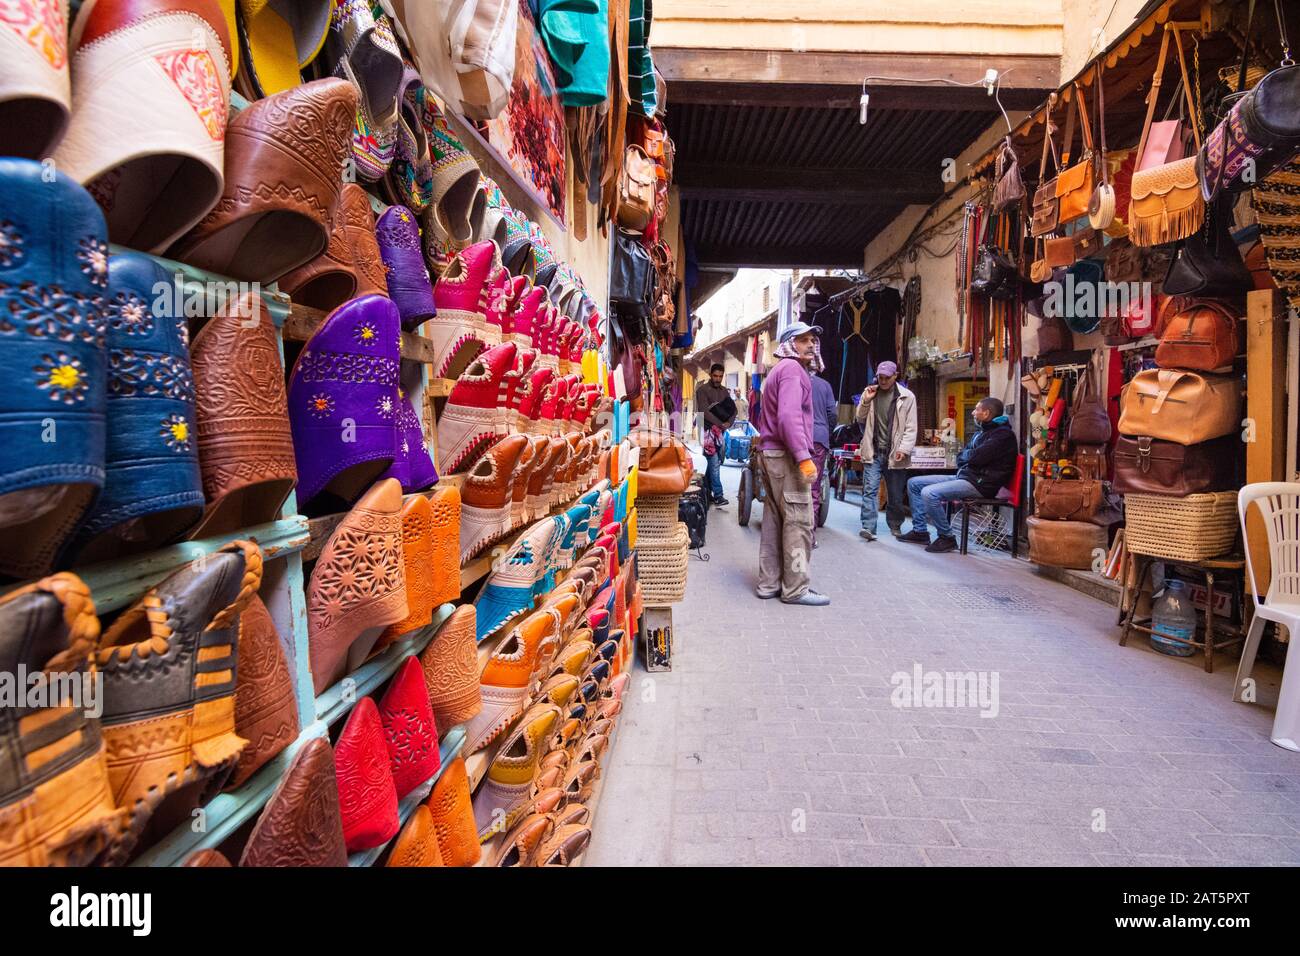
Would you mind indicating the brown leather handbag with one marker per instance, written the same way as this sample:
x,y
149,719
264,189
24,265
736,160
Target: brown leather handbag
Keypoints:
x,y
1074,184
1149,466
1046,206
1065,544
1167,203
1123,262
1088,243
1183,407
664,466
1089,421
1059,252
1202,335
1065,499
1010,190
636,189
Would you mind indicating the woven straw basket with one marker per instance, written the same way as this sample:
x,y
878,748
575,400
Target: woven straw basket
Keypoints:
x,y
661,566
656,517
1181,529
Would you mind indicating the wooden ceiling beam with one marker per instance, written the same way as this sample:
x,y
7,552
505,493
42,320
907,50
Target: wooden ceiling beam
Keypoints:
x,y
777,257
846,97
766,184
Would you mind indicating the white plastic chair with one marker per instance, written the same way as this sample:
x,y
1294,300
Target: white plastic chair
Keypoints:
x,y
1279,505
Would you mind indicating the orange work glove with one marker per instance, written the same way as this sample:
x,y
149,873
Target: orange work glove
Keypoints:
x,y
808,469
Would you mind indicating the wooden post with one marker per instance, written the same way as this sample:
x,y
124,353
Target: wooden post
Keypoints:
x,y
1265,409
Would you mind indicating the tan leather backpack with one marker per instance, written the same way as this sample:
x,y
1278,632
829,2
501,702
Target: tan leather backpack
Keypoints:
x,y
636,189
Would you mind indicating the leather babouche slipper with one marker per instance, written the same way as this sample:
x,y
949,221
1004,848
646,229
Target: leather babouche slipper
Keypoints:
x,y
517,253
266,714
453,816
523,321
516,384
409,729
461,295
508,784
497,312
277,39
519,483
485,497
206,859
350,266
554,759
148,147
412,461
35,91
565,845
168,670
343,403
444,567
549,779
546,569
538,500
507,679
367,794
302,824
579,781
508,590
565,600
417,844
601,727
504,313
361,48
53,279
490,222
569,730
409,181
245,443
575,655
521,844
153,492
592,748
467,425
409,286
455,182
573,813
282,182
550,405
530,402
558,690
56,804
417,553
450,665
358,586
598,671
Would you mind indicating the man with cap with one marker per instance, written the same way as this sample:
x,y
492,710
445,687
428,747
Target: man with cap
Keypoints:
x,y
785,443
887,412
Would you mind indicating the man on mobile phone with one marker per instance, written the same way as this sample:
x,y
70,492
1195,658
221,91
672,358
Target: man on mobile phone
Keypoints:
x,y
707,395
887,412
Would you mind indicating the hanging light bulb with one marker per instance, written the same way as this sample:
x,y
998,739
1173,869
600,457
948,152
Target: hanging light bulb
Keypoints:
x,y
862,106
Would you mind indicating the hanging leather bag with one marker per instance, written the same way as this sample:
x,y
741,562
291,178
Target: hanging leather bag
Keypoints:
x,y
1167,204
631,281
1089,420
1009,193
1088,244
1149,466
1074,184
1046,206
1059,252
1178,406
636,189
1209,263
1101,207
1202,336
1054,335
1065,499
1123,262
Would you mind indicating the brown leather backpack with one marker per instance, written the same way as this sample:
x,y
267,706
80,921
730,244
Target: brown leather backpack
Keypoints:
x,y
1202,335
1089,420
636,189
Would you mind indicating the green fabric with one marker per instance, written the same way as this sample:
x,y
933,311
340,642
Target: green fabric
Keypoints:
x,y
640,64
576,34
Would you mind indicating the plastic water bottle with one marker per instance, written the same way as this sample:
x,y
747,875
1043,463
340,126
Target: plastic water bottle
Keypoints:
x,y
1174,616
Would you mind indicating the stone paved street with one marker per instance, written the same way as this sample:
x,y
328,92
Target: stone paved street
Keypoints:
x,y
774,739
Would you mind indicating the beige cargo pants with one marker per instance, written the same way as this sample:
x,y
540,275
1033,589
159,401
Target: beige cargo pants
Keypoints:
x,y
785,548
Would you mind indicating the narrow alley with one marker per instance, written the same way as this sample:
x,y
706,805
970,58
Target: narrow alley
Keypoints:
x,y
774,739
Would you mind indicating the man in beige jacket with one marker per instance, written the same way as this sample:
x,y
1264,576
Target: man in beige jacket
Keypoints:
x,y
887,412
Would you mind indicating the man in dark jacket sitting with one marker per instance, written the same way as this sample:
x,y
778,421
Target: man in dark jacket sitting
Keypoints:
x,y
984,466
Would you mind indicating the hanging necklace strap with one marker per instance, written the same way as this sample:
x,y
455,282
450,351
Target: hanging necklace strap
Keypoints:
x,y
1281,32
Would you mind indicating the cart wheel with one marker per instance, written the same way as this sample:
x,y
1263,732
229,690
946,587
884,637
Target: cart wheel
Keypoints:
x,y
745,497
825,504
842,485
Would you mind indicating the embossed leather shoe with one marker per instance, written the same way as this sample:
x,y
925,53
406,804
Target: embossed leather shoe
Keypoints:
x,y
409,728
417,844
408,278
508,590
508,678
168,666
302,824
417,552
367,794
450,665
350,266
358,586
444,566
485,497
56,805
509,780
453,816
266,713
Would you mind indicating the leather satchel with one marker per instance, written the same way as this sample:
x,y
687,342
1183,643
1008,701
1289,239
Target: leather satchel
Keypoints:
x,y
1059,252
1089,420
1065,544
1149,466
1209,263
1201,336
1167,204
636,189
664,466
1046,207
1065,499
1183,407
1123,262
1074,184
631,281
1010,190
1088,244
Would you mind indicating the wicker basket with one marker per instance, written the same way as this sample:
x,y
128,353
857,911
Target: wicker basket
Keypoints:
x,y
661,567
656,517
1181,529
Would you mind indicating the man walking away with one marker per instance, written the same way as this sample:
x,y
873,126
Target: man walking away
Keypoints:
x,y
785,442
825,413
887,412
706,396
984,467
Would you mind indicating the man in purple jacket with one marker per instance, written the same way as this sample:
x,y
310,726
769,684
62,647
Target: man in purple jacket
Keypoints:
x,y
785,442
